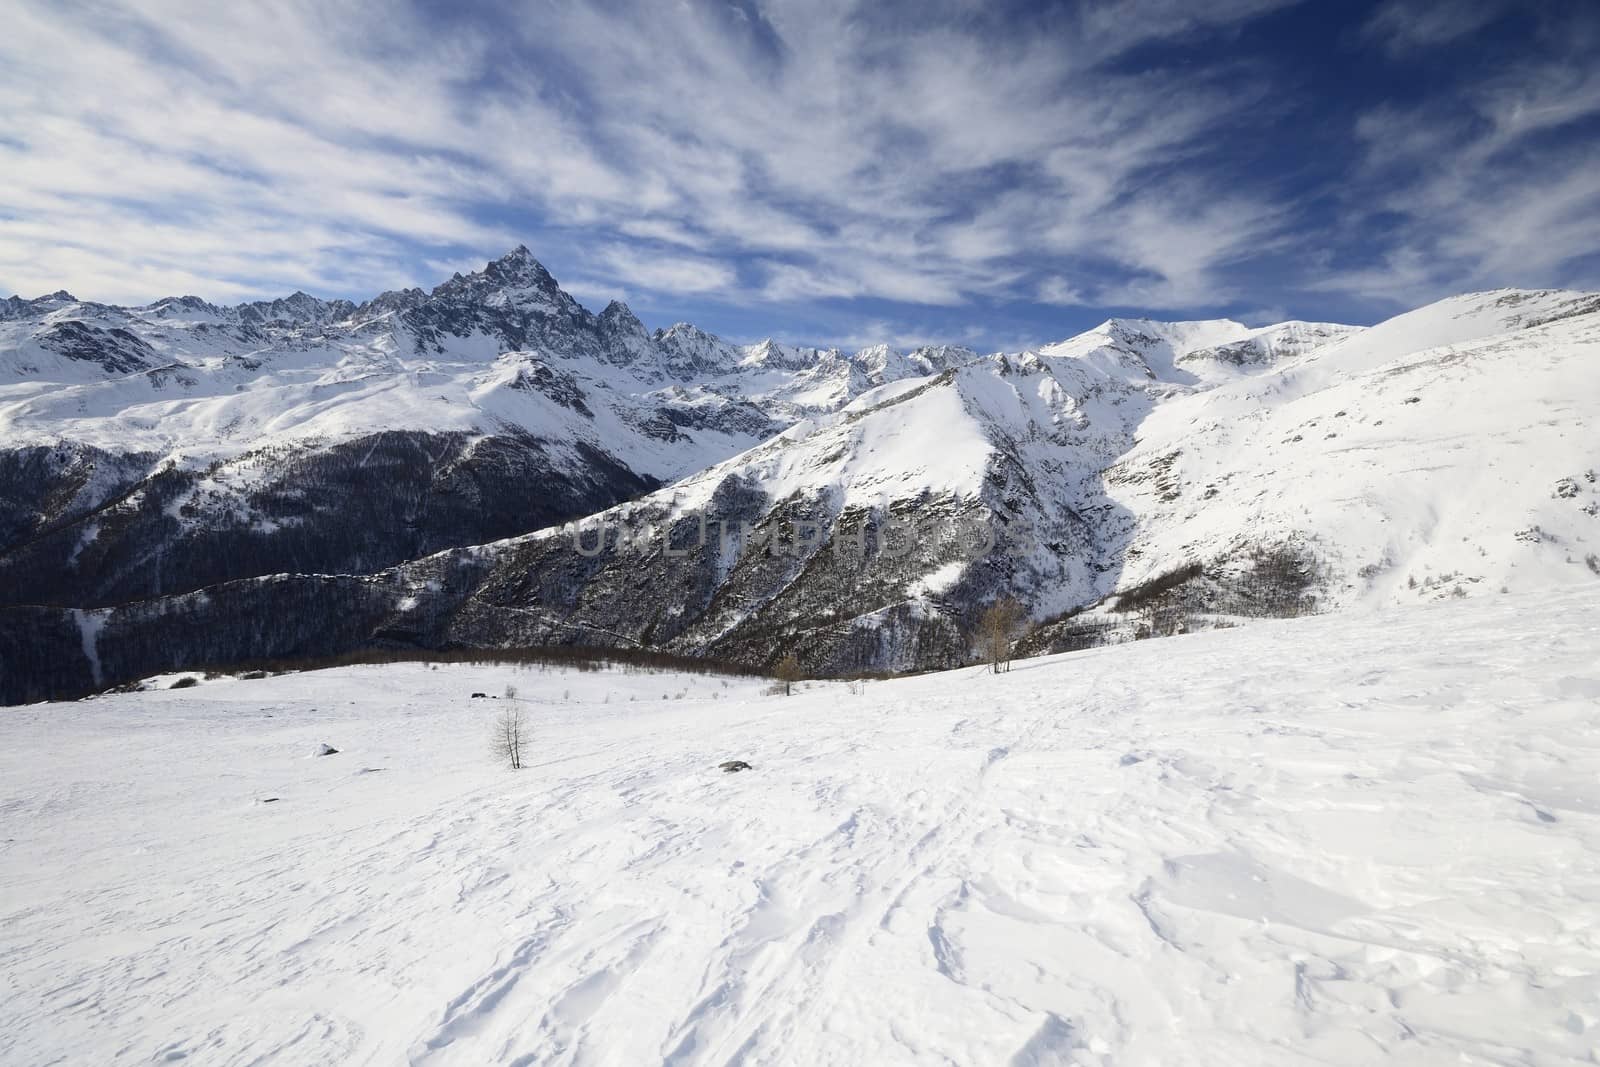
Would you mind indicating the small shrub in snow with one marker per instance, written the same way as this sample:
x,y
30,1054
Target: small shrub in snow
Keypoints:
x,y
186,682
510,731
998,628
788,672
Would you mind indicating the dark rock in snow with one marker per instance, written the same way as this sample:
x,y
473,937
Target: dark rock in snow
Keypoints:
x,y
733,766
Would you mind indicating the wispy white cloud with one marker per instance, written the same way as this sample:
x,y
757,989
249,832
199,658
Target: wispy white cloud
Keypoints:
x,y
837,150
664,271
1405,26
1059,291
1487,188
765,154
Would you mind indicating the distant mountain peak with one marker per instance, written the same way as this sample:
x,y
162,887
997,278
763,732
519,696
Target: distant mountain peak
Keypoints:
x,y
519,265
683,329
1180,335
497,299
618,315
60,296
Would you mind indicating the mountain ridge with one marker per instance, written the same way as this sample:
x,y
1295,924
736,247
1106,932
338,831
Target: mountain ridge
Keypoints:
x,y
198,484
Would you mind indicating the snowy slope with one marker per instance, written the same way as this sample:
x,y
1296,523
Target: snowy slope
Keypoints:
x,y
1350,840
931,481
1448,451
1190,353
1439,454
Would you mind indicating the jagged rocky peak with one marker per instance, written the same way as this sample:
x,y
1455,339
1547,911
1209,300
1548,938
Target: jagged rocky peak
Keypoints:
x,y
187,302
687,349
943,357
516,280
395,300
15,307
883,363
771,354
519,266
618,318
685,333
513,299
297,309
880,362
623,338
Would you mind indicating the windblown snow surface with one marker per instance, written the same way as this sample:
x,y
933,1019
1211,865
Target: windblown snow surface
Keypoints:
x,y
1338,840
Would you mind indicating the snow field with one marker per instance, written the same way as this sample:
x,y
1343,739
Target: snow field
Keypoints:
x,y
1338,840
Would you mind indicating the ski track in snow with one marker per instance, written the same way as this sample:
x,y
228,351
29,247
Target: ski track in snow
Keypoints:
x,y
1338,840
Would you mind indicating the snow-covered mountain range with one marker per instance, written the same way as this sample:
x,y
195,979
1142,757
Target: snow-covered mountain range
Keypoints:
x,y
491,463
161,449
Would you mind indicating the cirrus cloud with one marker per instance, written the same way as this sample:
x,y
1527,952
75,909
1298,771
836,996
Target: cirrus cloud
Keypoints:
x,y
824,164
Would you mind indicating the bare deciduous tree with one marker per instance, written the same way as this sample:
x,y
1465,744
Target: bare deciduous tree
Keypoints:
x,y
998,627
788,672
510,731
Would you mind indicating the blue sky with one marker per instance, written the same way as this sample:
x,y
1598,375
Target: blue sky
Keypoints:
x,y
822,171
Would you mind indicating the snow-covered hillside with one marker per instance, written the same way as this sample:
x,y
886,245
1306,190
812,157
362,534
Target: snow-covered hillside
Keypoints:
x,y
1296,468
1355,839
1448,451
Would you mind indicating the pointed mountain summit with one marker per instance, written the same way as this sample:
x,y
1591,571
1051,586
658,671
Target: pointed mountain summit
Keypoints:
x,y
618,320
772,355
626,341
516,279
688,351
513,300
